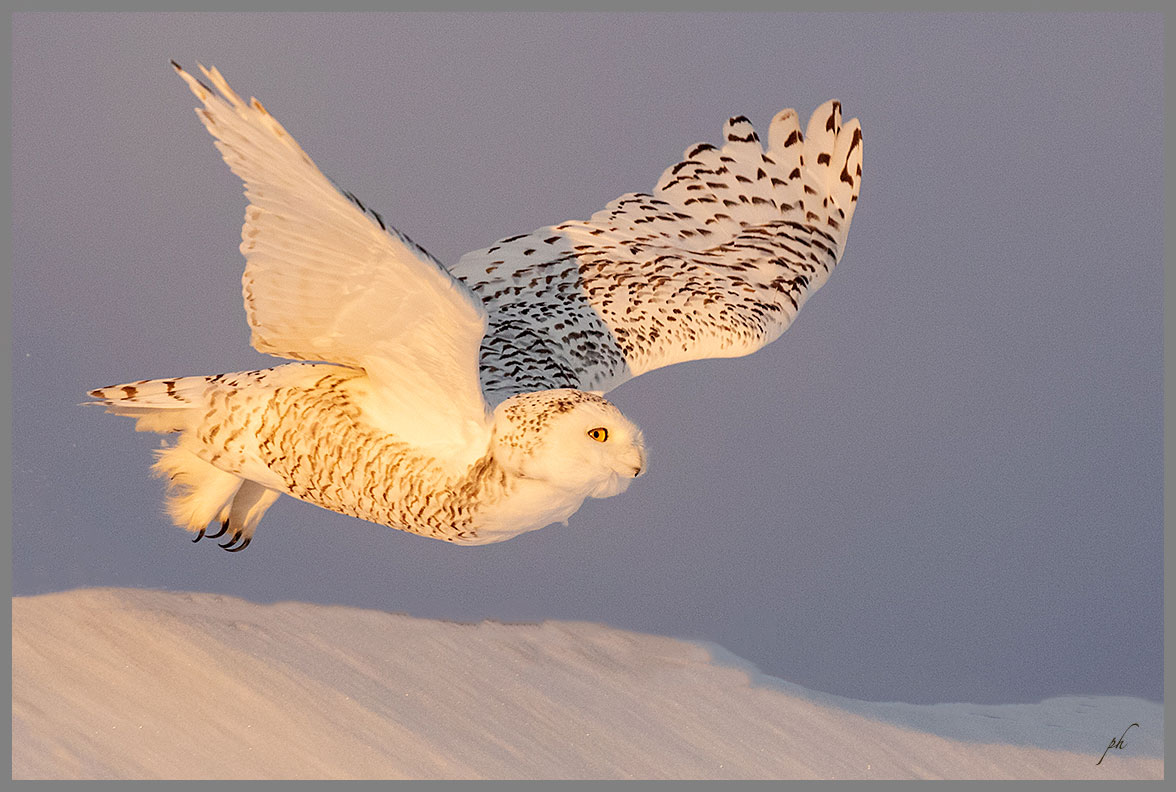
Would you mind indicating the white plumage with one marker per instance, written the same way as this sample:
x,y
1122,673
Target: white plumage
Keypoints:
x,y
466,404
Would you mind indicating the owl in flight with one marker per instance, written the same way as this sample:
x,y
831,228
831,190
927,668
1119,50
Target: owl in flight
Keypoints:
x,y
466,403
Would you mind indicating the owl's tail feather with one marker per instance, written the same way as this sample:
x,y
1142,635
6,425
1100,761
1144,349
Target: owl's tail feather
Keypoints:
x,y
161,405
200,493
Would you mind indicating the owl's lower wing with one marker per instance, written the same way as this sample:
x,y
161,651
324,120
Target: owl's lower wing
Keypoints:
x,y
326,280
716,262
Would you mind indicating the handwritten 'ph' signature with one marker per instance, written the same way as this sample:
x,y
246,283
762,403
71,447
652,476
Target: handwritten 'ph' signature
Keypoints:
x,y
1116,743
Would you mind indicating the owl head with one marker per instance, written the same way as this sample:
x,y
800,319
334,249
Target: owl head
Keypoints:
x,y
570,439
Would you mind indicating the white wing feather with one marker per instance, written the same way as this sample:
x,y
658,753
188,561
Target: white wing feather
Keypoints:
x,y
326,280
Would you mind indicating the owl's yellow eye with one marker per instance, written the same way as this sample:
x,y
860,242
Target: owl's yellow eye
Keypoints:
x,y
599,434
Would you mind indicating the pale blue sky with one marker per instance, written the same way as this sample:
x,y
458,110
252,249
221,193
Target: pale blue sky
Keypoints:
x,y
943,483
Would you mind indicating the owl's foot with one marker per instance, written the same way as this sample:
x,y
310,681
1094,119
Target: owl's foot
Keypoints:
x,y
229,545
221,532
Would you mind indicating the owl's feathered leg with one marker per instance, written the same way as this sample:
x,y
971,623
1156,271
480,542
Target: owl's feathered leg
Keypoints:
x,y
199,493
249,504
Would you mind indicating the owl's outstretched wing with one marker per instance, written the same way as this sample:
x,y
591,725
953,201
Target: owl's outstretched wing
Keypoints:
x,y
327,280
716,262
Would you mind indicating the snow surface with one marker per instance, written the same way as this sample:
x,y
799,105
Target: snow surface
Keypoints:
x,y
126,683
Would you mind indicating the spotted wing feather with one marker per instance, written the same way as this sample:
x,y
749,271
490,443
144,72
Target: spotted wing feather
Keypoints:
x,y
715,262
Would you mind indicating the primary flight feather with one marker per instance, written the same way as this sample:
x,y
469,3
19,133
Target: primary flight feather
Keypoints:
x,y
467,403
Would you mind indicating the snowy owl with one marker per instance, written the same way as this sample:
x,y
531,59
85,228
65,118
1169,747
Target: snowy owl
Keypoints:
x,y
466,403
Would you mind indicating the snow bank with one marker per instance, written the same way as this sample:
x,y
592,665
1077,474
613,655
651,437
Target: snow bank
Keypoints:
x,y
119,683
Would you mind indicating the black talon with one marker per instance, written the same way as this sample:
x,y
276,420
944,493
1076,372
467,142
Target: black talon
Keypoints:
x,y
199,536
232,541
221,532
243,545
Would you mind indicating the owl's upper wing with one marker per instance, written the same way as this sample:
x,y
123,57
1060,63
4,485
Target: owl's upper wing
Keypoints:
x,y
327,280
716,262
